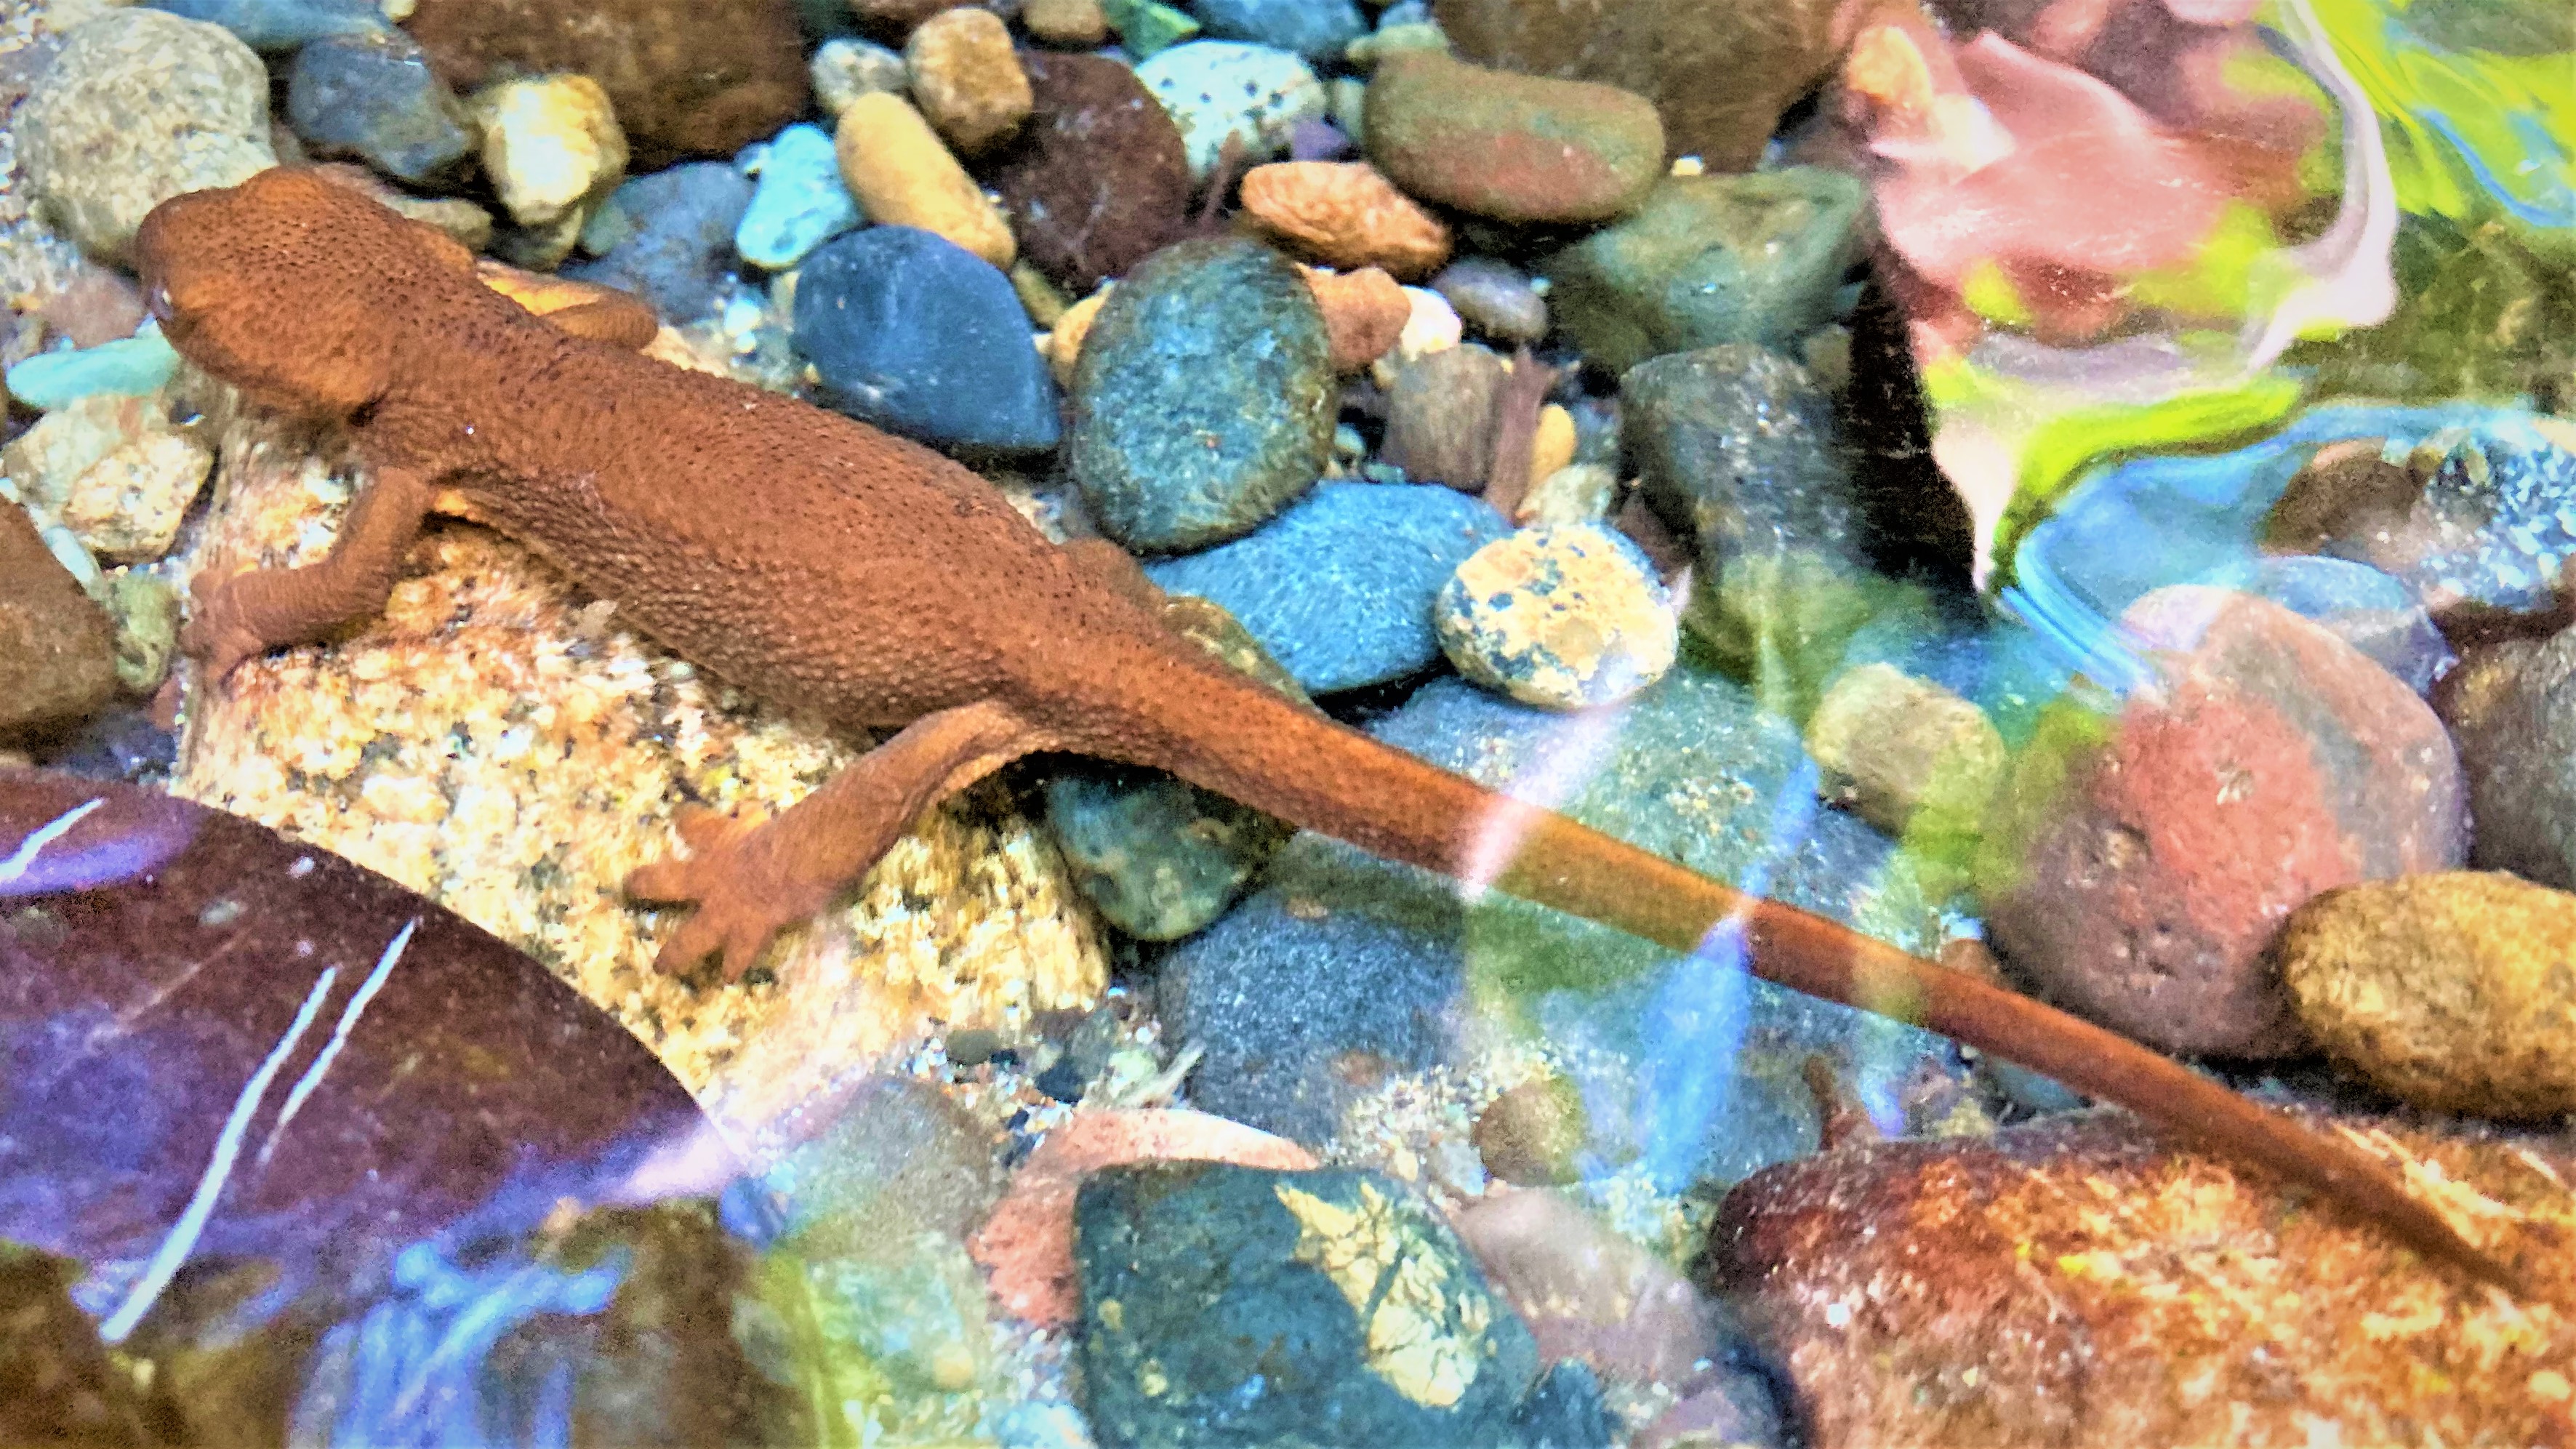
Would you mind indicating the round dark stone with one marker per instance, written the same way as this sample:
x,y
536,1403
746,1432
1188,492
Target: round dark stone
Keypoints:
x,y
374,97
1100,180
682,242
921,337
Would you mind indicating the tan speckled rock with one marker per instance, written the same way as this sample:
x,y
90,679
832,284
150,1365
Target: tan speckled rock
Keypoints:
x,y
2073,1282
1345,214
112,469
2455,990
1074,24
966,79
137,107
902,176
1563,616
497,742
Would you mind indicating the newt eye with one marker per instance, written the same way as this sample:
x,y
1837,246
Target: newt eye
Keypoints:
x,y
157,301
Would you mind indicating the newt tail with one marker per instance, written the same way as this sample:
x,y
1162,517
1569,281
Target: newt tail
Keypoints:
x,y
1339,782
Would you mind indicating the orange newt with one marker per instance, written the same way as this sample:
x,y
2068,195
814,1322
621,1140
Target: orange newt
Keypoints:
x,y
855,576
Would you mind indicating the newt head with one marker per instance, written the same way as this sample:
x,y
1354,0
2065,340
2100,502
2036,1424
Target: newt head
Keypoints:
x,y
288,286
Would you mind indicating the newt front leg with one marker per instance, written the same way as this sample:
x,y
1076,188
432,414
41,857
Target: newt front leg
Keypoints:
x,y
750,881
251,613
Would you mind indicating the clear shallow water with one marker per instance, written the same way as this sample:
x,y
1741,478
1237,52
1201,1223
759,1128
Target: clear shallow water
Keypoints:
x,y
477,1230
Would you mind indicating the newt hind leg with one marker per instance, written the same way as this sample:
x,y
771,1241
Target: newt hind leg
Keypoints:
x,y
751,880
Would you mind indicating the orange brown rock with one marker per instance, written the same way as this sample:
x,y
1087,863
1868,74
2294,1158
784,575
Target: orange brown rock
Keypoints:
x,y
1345,214
2072,1282
1364,313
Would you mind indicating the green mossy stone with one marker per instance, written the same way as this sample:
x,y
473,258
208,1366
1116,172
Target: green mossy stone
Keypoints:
x,y
1228,1305
1710,259
1204,399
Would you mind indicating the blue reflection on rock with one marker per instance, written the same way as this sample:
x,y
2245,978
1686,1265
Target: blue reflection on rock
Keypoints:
x,y
2137,526
418,1369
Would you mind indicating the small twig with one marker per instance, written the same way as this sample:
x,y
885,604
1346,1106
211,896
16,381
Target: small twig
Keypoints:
x,y
1517,404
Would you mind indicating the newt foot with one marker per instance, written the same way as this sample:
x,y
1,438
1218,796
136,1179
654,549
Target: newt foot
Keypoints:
x,y
218,632
743,896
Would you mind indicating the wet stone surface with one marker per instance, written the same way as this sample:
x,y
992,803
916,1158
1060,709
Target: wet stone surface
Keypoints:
x,y
242,1060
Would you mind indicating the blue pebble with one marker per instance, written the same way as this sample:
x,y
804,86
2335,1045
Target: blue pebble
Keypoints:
x,y
801,202
678,240
132,365
919,336
1339,587
1314,29
282,25
374,97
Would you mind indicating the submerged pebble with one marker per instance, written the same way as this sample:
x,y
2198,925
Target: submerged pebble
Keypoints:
x,y
1495,298
2511,707
1313,29
129,366
57,649
1203,398
1220,88
1516,148
374,96
1339,588
1566,616
675,233
800,202
1344,214
966,79
1100,179
845,68
114,471
2139,866
551,145
1711,259
918,336
2451,990
902,176
1265,1306
283,25
137,107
